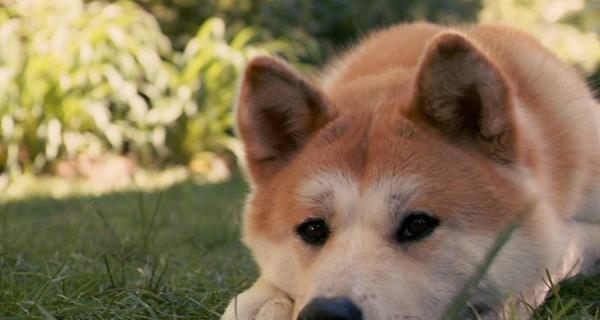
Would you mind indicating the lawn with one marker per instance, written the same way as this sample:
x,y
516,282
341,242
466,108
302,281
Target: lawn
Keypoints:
x,y
171,254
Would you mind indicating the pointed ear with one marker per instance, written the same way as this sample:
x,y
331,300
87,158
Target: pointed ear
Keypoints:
x,y
463,95
278,111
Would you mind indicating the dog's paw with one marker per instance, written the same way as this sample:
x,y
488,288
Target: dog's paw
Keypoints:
x,y
262,301
280,308
276,309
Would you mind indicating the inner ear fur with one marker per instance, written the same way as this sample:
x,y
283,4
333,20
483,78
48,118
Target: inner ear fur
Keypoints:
x,y
278,111
464,96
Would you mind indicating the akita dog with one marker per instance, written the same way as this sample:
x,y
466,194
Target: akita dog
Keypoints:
x,y
378,190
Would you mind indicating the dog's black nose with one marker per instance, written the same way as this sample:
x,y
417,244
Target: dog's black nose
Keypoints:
x,y
338,308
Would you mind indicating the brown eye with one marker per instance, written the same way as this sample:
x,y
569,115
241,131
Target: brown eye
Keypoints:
x,y
313,231
417,225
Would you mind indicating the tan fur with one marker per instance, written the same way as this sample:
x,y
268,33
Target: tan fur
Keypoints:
x,y
391,128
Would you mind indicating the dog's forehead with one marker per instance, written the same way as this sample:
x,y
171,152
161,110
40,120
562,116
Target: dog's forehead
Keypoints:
x,y
366,159
373,149
383,166
346,195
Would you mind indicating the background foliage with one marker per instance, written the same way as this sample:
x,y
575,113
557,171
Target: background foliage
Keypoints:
x,y
86,78
569,27
154,80
333,23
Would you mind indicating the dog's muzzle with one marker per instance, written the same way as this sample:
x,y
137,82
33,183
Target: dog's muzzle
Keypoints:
x,y
338,308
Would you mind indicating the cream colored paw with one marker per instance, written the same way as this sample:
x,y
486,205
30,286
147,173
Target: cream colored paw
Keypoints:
x,y
276,309
261,301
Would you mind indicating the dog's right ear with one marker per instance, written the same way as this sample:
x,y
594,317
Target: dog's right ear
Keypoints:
x,y
277,112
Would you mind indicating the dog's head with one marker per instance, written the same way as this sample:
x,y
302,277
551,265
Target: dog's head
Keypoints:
x,y
379,198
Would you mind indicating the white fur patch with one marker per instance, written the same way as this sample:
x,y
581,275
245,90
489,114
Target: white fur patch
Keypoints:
x,y
346,199
332,189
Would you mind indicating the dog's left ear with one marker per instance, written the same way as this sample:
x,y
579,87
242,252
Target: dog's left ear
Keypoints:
x,y
464,96
277,113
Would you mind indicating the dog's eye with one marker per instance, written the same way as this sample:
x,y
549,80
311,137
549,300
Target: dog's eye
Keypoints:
x,y
416,226
314,231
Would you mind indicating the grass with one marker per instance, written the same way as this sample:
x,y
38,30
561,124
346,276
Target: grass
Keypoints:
x,y
170,254
173,254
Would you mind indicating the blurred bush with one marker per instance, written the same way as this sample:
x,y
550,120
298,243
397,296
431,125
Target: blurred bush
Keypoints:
x,y
569,27
334,23
86,78
81,78
210,67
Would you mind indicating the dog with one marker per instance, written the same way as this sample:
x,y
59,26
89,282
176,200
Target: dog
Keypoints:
x,y
379,189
